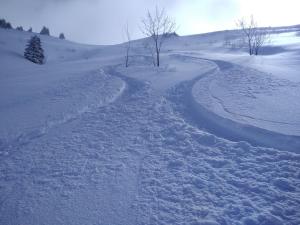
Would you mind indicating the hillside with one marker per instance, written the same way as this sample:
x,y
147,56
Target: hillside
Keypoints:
x,y
210,137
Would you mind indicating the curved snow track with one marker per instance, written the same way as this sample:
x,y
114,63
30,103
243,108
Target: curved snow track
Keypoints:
x,y
138,161
223,127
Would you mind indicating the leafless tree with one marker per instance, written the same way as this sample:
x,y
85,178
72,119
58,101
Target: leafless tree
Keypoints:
x,y
157,26
127,45
255,37
261,37
248,28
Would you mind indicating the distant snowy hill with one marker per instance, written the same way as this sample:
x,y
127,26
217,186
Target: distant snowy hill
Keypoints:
x,y
210,137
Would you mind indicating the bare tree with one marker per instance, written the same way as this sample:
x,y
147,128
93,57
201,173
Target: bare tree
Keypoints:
x,y
248,28
255,37
157,26
127,45
261,37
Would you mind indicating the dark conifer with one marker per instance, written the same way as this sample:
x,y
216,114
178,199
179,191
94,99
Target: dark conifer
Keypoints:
x,y
20,28
4,24
45,31
62,36
34,51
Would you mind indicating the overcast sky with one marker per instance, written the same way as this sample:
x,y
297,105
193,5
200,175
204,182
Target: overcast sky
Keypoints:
x,y
102,21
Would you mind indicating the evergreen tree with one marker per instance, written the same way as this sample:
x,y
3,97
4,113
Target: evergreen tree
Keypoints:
x,y
30,29
20,28
45,31
8,26
34,51
62,36
4,24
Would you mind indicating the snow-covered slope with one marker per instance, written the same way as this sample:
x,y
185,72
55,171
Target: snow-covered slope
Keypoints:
x,y
34,98
262,91
210,137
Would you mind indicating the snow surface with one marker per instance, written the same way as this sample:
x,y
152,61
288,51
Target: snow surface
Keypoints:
x,y
211,137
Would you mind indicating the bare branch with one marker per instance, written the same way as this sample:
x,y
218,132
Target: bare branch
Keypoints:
x,y
157,26
127,44
255,37
261,37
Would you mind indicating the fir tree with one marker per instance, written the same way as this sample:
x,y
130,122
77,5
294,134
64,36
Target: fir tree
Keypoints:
x,y
34,51
30,29
62,36
20,28
4,24
45,31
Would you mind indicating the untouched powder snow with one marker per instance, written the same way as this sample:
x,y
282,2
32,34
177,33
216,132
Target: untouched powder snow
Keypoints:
x,y
132,146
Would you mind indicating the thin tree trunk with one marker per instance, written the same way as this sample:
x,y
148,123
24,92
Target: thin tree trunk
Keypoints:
x,y
250,47
157,53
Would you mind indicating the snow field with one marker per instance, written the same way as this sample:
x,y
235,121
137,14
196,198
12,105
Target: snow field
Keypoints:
x,y
137,161
130,146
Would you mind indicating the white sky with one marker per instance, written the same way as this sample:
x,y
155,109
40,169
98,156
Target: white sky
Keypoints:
x,y
102,21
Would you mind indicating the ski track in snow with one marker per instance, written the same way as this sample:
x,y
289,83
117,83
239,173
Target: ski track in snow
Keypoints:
x,y
199,112
258,89
139,161
73,98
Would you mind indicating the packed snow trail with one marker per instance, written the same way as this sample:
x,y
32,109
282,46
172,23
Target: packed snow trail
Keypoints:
x,y
82,172
137,161
196,113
